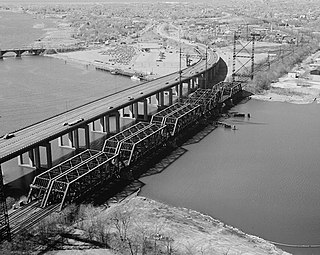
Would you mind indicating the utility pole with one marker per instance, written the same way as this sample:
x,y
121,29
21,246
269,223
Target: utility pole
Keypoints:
x,y
206,72
180,87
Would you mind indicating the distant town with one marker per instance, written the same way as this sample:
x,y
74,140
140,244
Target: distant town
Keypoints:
x,y
212,24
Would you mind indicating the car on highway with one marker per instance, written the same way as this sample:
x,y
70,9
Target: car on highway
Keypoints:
x,y
73,122
8,136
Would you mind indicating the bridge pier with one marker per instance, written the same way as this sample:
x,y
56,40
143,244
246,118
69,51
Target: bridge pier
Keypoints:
x,y
34,157
145,109
189,87
30,160
170,95
117,115
135,110
99,127
70,144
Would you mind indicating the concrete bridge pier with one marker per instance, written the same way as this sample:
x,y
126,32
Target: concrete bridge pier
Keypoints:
x,y
99,126
170,96
145,109
201,82
136,110
70,143
117,120
189,87
33,158
27,163
161,102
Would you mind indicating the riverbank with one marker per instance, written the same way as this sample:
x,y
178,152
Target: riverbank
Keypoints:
x,y
298,86
181,230
300,89
149,61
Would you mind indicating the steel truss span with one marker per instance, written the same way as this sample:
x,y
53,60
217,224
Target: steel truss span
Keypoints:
x,y
111,145
75,177
82,179
135,147
41,182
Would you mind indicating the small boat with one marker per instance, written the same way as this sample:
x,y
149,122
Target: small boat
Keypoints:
x,y
114,72
135,78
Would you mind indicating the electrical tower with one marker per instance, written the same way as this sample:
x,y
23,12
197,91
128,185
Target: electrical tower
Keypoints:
x,y
4,218
243,56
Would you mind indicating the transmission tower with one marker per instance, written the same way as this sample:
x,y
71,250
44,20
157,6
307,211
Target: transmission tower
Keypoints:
x,y
243,56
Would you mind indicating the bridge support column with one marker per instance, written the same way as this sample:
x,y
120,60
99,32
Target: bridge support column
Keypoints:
x,y
93,126
106,127
87,136
161,98
48,154
177,90
135,110
180,91
145,109
37,160
98,127
30,159
170,97
76,139
18,54
117,122
189,87
70,141
193,81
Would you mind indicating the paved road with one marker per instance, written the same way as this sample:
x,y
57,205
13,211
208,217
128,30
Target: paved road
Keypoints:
x,y
52,128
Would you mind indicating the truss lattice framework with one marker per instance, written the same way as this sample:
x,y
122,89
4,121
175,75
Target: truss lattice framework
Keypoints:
x,y
111,145
180,119
229,89
135,147
4,218
81,179
158,117
41,182
207,98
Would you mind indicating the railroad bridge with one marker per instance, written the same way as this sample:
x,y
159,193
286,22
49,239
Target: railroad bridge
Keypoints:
x,y
20,51
136,121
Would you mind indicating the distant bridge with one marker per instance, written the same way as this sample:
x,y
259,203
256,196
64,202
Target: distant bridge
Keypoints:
x,y
20,51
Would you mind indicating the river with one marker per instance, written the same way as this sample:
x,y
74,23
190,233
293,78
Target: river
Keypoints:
x,y
262,178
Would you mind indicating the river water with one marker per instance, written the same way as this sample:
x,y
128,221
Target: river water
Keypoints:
x,y
262,178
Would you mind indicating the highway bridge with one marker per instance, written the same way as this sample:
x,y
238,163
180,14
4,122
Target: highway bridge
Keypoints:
x,y
176,110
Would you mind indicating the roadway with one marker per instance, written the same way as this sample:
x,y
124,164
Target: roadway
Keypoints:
x,y
52,128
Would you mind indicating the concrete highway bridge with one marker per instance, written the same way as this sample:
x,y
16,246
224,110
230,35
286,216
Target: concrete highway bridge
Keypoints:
x,y
157,111
20,51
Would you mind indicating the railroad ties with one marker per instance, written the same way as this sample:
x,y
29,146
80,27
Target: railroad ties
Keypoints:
x,y
83,173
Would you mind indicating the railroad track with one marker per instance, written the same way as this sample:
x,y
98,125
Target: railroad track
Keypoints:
x,y
28,216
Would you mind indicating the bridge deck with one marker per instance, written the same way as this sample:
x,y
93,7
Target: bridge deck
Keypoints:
x,y
53,128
